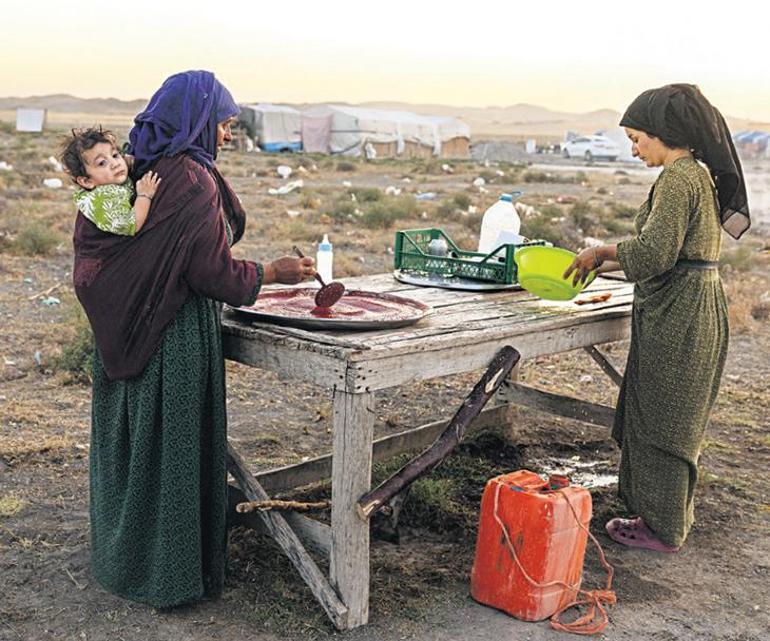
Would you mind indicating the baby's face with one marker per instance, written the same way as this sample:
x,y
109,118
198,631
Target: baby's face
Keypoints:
x,y
104,165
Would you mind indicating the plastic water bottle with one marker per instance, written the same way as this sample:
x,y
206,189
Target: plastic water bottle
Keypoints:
x,y
501,224
324,258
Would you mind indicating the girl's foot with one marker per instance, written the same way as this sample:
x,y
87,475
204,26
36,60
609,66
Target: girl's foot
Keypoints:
x,y
635,533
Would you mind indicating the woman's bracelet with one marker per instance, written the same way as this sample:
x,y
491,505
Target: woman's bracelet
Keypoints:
x,y
144,196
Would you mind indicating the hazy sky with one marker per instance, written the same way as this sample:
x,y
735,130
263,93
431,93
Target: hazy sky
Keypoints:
x,y
570,56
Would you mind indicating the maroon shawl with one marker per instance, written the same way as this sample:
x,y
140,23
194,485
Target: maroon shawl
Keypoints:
x,y
131,287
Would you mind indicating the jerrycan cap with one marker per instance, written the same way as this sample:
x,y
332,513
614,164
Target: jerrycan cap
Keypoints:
x,y
557,482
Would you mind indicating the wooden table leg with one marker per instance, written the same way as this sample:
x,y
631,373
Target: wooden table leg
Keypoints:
x,y
353,429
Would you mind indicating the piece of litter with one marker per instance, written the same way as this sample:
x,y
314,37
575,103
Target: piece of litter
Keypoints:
x,y
472,209
287,188
586,378
479,182
447,168
4,166
390,190
284,171
38,358
50,300
292,213
53,183
428,195
347,183
55,163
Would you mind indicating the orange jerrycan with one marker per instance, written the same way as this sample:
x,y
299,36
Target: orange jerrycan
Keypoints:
x,y
530,547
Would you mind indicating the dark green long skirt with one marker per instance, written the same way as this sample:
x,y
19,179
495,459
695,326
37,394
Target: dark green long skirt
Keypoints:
x,y
158,469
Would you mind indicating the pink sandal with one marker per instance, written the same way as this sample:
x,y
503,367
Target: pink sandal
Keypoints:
x,y
635,533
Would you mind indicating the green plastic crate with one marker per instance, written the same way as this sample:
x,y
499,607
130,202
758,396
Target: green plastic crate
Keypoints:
x,y
411,255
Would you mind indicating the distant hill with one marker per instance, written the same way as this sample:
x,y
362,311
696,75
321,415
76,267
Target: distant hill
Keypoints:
x,y
73,104
514,121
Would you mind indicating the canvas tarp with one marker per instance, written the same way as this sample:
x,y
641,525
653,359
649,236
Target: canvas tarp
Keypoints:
x,y
272,127
389,132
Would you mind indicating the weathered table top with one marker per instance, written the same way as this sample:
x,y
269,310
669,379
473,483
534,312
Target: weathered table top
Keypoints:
x,y
461,334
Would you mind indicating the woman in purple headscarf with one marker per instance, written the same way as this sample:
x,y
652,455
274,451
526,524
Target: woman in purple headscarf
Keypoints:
x,y
158,441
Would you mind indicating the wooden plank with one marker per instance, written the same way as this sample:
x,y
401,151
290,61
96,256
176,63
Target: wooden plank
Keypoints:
x,y
279,529
287,358
566,406
460,352
605,364
353,426
313,534
317,469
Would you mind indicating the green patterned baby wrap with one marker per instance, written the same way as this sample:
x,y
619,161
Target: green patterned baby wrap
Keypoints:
x,y
109,207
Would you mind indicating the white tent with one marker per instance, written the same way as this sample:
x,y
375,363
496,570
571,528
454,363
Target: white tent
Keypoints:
x,y
380,132
272,127
30,119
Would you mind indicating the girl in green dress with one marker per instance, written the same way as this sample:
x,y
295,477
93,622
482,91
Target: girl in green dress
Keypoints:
x,y
679,330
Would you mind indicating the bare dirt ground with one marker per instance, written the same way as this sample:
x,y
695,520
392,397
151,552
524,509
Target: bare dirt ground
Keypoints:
x,y
715,588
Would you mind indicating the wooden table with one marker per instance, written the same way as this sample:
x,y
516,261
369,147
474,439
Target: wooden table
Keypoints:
x,y
462,334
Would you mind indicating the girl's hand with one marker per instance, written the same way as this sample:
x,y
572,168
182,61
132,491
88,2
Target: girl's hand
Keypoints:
x,y
148,185
289,270
585,262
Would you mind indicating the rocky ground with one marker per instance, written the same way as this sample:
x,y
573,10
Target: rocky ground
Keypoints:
x,y
715,588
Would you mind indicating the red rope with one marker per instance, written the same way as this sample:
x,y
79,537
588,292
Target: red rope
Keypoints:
x,y
594,599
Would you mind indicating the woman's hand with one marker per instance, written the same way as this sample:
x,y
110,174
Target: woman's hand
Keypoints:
x,y
585,262
289,270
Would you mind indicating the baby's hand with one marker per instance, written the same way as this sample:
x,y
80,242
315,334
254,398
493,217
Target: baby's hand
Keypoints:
x,y
148,185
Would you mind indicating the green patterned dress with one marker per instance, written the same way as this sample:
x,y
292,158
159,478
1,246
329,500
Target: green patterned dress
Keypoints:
x,y
158,467
678,348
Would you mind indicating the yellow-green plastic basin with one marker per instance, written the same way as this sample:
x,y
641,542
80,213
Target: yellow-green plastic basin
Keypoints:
x,y
540,272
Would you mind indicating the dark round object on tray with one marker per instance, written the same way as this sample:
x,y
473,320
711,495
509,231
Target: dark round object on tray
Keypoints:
x,y
329,294
356,310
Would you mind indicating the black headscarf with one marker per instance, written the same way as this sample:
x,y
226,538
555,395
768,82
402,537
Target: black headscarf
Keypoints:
x,y
681,117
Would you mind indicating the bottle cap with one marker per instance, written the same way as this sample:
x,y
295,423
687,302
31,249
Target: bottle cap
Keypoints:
x,y
325,245
510,197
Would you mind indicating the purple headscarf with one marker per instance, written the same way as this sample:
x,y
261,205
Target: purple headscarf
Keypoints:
x,y
182,116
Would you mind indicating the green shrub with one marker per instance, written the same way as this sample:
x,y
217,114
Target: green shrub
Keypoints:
x,y
740,259
367,194
383,214
463,201
77,356
345,166
617,226
583,216
342,209
620,210
36,240
541,227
